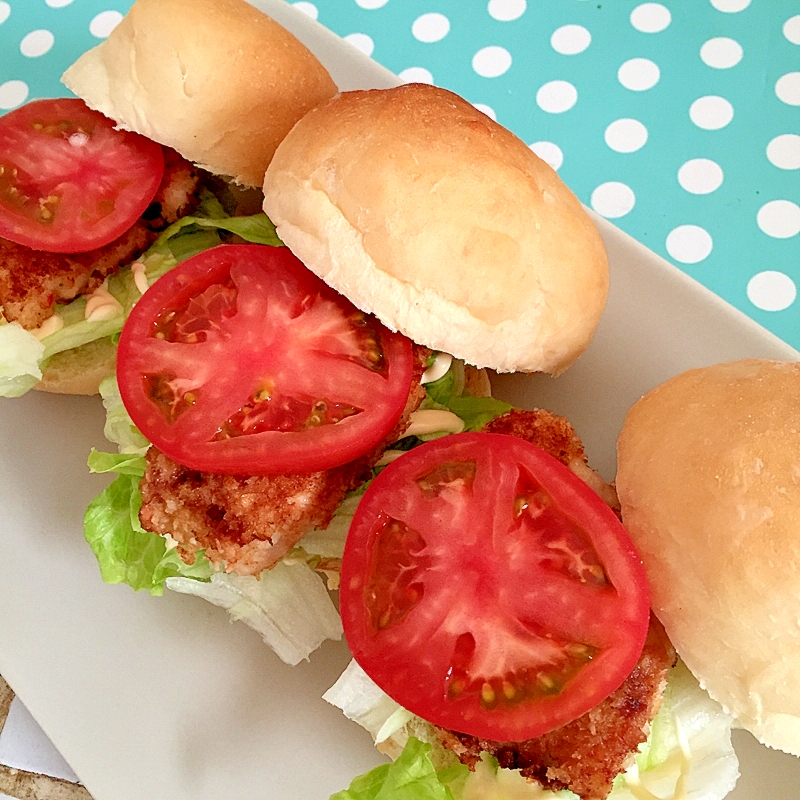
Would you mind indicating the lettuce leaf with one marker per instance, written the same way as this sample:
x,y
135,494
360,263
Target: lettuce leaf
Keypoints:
x,y
287,604
411,777
119,427
688,754
448,393
125,552
21,354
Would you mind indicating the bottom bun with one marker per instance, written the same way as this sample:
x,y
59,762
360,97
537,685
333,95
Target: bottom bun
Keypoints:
x,y
709,483
80,370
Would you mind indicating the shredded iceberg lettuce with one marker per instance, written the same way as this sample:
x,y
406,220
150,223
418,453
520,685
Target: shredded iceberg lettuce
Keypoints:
x,y
287,604
689,755
23,356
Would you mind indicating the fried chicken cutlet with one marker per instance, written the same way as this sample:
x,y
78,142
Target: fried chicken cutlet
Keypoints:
x,y
33,281
585,755
246,524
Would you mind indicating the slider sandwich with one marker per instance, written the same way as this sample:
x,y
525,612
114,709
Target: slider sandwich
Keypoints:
x,y
496,609
181,109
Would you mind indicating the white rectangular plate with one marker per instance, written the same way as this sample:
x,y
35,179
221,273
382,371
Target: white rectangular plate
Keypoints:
x,y
163,697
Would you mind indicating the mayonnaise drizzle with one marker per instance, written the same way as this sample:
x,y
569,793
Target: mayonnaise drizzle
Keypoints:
x,y
50,325
101,305
433,420
438,369
139,276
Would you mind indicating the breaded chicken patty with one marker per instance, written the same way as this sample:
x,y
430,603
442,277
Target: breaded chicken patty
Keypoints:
x,y
33,281
245,524
586,755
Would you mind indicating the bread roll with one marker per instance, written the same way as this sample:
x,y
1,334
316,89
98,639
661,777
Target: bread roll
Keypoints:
x,y
217,80
424,211
709,482
80,370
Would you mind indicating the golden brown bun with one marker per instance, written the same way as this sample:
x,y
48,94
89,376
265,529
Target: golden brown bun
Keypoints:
x,y
424,211
217,80
709,481
80,370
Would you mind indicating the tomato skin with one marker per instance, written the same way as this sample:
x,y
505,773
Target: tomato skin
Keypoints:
x,y
226,362
488,590
70,182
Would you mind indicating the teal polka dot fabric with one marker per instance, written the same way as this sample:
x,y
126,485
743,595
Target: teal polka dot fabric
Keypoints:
x,y
679,121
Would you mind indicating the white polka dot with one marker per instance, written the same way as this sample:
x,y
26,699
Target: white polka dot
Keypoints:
x,y
5,11
650,17
416,75
430,28
639,74
507,10
36,43
721,53
788,88
13,94
57,3
308,9
370,5
779,219
711,112
361,41
626,135
730,6
488,110
105,22
549,152
569,40
700,176
491,62
689,244
791,29
771,290
555,97
613,199
784,151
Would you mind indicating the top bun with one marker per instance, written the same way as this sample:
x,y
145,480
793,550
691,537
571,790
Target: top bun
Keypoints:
x,y
709,482
446,226
216,80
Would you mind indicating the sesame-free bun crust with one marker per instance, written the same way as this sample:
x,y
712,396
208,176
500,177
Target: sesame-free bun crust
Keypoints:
x,y
79,370
709,482
425,212
217,80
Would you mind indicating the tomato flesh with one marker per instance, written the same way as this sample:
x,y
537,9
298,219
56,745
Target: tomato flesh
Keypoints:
x,y
241,361
70,182
488,590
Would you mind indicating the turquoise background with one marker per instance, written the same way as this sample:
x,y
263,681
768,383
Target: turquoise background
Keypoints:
x,y
741,250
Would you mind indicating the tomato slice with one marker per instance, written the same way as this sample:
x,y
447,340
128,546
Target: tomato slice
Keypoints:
x,y
69,182
241,361
488,590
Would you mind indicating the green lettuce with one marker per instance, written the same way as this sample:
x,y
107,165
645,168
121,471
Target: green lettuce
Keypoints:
x,y
125,552
412,777
448,393
23,356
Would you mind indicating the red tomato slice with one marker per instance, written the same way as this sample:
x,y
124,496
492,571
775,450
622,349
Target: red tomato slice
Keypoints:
x,y
69,182
488,590
241,361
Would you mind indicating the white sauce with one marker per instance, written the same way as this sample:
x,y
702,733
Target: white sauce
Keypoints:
x,y
432,420
102,305
50,325
441,364
139,276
